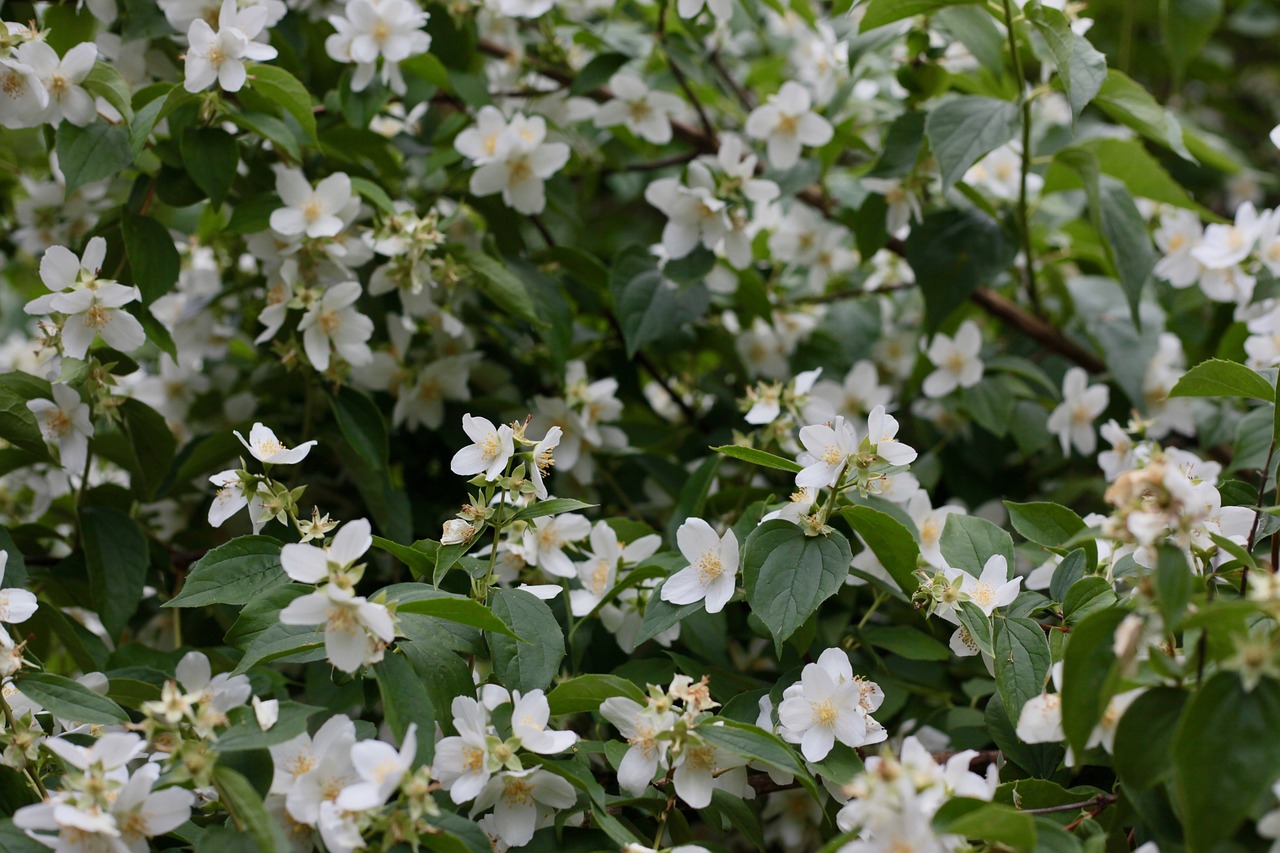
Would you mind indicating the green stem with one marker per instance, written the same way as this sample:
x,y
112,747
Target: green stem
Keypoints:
x,y
1024,218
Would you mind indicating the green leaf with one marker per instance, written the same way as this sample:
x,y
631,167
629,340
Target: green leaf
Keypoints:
x,y
968,541
758,745
427,601
906,641
891,542
92,153
142,444
405,700
586,692
881,12
419,561
445,674
788,574
279,640
154,261
1051,525
1173,585
554,506
210,156
964,129
991,822
648,305
1089,676
1225,757
1081,68
117,557
237,794
362,425
1220,378
70,700
1085,596
106,82
14,840
757,457
374,193
1131,105
18,425
502,287
1143,753
283,89
952,253
234,573
244,732
530,664
1022,661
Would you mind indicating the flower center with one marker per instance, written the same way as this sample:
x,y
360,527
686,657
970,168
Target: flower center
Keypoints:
x,y
825,713
516,791
982,594
787,125
709,566
329,321
312,210
472,759
96,317
57,423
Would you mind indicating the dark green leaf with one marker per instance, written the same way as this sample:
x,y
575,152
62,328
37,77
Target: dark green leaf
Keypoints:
x,y
234,573
1225,757
649,306
788,574
283,89
881,12
586,692
891,542
1220,378
985,821
210,156
240,799
952,253
1022,662
117,556
153,259
964,129
968,541
530,663
757,457
405,700
70,700
1089,675
89,154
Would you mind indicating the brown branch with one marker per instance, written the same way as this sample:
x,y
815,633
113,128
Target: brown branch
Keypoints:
x,y
1100,804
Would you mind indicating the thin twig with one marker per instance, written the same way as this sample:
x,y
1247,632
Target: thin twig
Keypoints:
x,y
1257,516
1024,220
707,127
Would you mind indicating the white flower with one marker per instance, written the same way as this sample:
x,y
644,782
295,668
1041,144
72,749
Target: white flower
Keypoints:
x,y
300,754
314,212
882,431
1225,246
492,450
1081,405
479,143
462,762
266,712
266,448
956,360
222,691
1179,234
142,813
328,774
60,269
823,708
640,725
309,564
98,311
26,99
16,605
694,214
380,768
333,323
529,716
391,29
990,590
1104,733
61,78
711,575
220,56
110,752
543,460
356,630
598,573
826,450
700,768
1040,720
64,423
521,161
645,113
545,538
233,495
787,123
517,796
